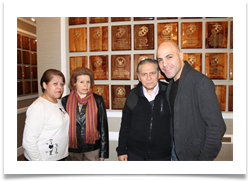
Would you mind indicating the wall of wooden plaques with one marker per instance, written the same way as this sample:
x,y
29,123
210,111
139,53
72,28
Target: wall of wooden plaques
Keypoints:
x,y
26,65
113,46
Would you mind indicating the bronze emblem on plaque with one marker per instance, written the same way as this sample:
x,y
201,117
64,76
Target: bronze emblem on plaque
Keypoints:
x,y
191,35
194,59
120,67
167,31
121,37
99,66
102,90
216,34
230,98
231,67
119,94
78,40
216,65
98,37
77,20
144,37
78,62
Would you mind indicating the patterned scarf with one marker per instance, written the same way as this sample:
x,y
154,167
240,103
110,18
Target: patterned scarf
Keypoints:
x,y
91,133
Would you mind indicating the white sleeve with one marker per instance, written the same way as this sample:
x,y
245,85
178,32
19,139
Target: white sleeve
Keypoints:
x,y
35,119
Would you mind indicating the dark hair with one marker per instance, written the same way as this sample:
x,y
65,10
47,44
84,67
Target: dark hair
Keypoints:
x,y
148,60
48,75
80,71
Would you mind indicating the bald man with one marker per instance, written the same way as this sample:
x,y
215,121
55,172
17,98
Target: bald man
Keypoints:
x,y
197,123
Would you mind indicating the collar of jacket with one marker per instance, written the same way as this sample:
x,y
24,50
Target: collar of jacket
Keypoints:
x,y
162,87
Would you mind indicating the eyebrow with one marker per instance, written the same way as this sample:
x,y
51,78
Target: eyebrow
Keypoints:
x,y
169,55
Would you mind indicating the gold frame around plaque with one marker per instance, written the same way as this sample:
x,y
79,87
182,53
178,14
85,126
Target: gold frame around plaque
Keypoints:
x,y
194,59
119,94
98,38
216,34
220,91
121,37
102,90
167,31
75,62
144,37
78,39
120,67
191,35
216,65
99,65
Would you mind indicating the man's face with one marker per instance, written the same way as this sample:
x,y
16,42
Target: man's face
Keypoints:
x,y
148,76
170,60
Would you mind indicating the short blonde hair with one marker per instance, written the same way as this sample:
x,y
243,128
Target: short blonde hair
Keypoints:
x,y
80,71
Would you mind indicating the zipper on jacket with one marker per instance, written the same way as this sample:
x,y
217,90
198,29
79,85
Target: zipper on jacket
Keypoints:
x,y
150,128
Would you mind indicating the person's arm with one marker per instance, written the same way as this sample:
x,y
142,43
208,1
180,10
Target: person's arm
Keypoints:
x,y
211,115
123,158
104,133
35,118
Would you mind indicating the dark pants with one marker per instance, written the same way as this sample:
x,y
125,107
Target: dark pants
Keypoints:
x,y
133,157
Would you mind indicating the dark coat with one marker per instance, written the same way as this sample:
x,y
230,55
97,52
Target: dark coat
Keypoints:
x,y
198,123
145,129
102,127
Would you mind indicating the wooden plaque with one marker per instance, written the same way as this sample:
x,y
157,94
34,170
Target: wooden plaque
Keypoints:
x,y
162,18
26,72
191,35
26,57
119,94
33,58
33,44
230,98
19,56
98,20
77,20
191,17
216,34
19,44
34,72
78,40
194,59
116,19
102,90
143,18
98,37
216,65
19,72
19,87
144,37
99,66
25,42
120,67
231,35
137,59
78,62
121,37
167,31
221,95
34,86
231,67
27,87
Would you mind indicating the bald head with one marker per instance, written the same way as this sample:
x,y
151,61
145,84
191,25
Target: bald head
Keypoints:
x,y
167,44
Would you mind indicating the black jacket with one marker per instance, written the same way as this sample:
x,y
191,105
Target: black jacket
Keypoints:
x,y
145,129
198,123
102,127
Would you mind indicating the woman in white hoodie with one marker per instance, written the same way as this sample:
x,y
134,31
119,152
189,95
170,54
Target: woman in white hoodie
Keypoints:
x,y
45,136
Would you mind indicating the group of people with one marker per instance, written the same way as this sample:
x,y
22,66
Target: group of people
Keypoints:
x,y
179,121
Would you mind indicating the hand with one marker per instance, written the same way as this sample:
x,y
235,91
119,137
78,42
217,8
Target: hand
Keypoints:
x,y
123,158
101,159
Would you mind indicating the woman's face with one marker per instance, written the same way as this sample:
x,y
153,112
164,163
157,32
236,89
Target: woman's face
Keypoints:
x,y
82,85
54,88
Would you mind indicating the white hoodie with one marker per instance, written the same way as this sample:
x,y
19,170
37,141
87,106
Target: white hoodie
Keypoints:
x,y
45,136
